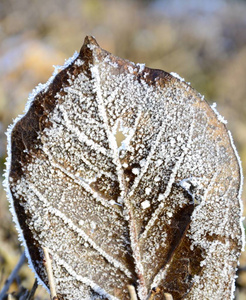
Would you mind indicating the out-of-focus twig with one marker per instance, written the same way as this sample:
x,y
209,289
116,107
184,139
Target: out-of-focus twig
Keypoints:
x,y
23,295
12,276
33,290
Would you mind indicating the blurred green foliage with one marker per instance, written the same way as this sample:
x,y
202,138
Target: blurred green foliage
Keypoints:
x,y
203,41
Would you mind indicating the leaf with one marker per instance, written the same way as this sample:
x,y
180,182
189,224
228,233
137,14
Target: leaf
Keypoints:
x,y
127,176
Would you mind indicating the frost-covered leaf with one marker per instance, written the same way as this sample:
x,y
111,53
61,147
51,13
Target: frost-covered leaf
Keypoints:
x,y
127,176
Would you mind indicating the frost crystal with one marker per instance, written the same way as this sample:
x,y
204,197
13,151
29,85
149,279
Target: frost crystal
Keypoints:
x,y
145,204
220,118
177,76
127,176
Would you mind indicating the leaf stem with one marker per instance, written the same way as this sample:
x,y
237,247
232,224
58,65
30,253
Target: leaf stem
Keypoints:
x,y
132,292
168,296
48,267
33,290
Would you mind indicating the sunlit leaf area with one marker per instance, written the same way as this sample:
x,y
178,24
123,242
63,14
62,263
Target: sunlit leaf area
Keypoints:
x,y
202,41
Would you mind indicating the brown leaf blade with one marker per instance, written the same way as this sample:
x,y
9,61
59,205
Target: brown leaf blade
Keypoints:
x,y
128,177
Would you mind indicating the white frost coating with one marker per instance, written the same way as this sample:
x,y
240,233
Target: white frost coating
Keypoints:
x,y
80,232
187,184
113,145
130,69
220,118
128,133
213,266
135,171
159,162
81,222
111,138
80,182
81,136
82,279
160,276
149,158
125,165
145,204
37,90
142,291
240,189
177,76
141,67
169,214
147,191
210,186
169,185
78,194
93,225
56,71
10,199
79,62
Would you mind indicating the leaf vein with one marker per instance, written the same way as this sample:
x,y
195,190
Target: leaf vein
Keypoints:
x,y
169,185
80,232
82,182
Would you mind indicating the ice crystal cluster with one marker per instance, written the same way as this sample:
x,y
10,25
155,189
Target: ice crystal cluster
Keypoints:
x,y
128,177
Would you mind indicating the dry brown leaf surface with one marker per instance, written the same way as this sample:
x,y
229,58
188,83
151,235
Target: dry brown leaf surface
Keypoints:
x,y
127,176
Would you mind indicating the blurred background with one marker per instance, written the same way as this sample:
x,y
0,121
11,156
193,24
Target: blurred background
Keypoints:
x,y
202,41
